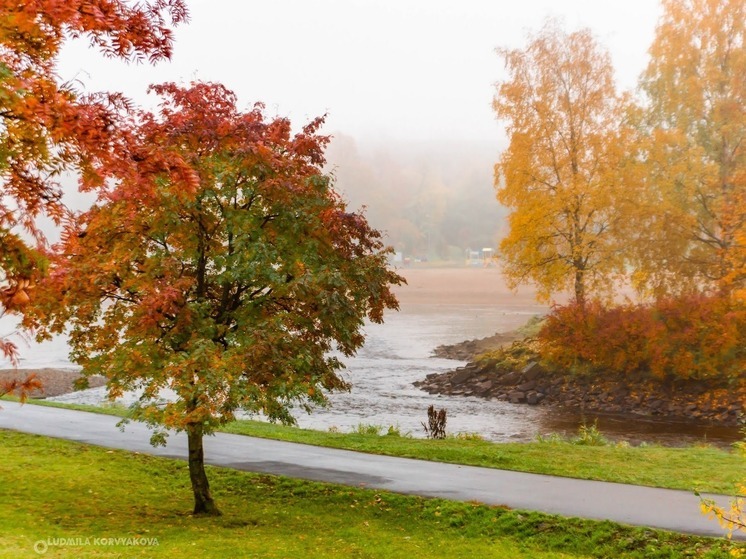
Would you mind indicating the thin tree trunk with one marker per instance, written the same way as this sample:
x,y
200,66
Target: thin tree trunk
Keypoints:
x,y
579,287
203,502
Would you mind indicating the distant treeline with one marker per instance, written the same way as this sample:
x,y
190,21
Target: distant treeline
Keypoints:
x,y
432,200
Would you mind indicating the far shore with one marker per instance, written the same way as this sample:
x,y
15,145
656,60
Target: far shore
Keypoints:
x,y
458,286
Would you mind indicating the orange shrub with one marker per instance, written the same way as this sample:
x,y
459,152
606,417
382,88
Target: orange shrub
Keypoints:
x,y
693,337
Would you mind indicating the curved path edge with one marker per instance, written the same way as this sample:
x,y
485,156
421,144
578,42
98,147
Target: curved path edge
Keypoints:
x,y
667,509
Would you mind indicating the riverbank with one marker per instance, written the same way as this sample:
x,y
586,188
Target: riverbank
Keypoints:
x,y
692,402
586,454
533,385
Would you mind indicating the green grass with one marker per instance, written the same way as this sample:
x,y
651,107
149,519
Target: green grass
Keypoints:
x,y
55,490
693,468
705,469
104,409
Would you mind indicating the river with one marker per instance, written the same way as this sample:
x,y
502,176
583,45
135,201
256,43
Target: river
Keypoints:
x,y
398,353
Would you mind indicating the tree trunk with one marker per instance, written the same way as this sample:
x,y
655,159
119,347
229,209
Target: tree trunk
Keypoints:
x,y
203,502
579,287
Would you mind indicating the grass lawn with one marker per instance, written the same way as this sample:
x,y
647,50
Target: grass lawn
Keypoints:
x,y
73,497
700,468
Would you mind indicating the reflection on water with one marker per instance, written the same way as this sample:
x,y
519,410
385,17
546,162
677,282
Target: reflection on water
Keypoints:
x,y
397,353
642,429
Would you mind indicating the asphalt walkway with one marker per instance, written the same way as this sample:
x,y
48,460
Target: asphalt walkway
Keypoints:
x,y
643,506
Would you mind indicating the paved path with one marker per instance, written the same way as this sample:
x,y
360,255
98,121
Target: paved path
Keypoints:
x,y
630,504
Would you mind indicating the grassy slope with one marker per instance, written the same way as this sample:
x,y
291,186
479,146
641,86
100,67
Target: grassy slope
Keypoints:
x,y
704,469
55,489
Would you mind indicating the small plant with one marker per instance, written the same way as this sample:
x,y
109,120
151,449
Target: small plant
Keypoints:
x,y
739,447
589,435
333,429
550,438
435,428
395,431
467,436
368,429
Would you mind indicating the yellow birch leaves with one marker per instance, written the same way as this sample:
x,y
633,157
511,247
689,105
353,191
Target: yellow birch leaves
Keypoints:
x,y
695,137
561,174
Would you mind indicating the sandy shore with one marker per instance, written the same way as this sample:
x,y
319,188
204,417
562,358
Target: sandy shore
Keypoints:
x,y
459,286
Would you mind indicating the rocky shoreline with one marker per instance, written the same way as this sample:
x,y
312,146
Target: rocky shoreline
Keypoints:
x,y
533,385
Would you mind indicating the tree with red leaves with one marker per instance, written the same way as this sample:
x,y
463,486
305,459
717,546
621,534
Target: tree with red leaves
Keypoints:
x,y
223,266
46,127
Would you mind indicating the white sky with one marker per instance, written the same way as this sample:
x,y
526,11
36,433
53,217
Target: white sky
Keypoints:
x,y
385,70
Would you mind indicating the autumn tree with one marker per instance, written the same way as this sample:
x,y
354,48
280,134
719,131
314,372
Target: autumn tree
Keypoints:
x,y
222,266
47,127
562,175
695,163
696,153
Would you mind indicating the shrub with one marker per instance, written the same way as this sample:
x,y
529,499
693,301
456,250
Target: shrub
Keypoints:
x,y
693,337
550,438
590,435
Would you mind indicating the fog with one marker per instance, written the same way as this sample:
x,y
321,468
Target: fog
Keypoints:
x,y
384,71
432,200
406,86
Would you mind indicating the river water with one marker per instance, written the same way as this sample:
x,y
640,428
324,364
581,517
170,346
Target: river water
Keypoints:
x,y
398,353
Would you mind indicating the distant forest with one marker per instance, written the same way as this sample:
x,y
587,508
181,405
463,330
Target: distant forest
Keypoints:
x,y
433,201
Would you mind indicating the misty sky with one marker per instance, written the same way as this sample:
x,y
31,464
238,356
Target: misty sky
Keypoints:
x,y
384,70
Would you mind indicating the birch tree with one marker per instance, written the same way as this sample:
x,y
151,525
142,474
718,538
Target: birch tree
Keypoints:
x,y
563,173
